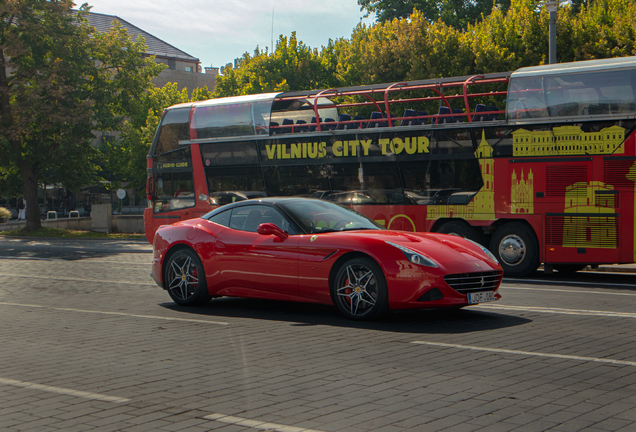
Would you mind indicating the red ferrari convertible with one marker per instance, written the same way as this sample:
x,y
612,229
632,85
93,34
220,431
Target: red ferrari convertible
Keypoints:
x,y
309,250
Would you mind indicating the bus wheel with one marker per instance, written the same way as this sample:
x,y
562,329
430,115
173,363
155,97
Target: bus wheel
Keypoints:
x,y
517,249
462,229
359,290
185,279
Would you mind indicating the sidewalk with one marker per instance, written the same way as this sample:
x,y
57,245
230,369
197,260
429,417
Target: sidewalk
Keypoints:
x,y
617,268
12,224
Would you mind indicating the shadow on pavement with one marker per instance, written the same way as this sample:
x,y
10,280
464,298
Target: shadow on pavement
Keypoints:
x,y
440,321
70,249
589,279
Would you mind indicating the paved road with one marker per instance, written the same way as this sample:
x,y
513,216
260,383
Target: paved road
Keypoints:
x,y
88,342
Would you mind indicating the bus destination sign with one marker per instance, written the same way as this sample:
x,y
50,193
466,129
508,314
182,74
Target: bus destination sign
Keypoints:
x,y
318,150
183,165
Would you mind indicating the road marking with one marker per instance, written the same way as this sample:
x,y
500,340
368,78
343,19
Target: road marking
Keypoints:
x,y
562,311
62,390
571,291
528,353
256,424
543,281
31,258
84,260
116,313
76,279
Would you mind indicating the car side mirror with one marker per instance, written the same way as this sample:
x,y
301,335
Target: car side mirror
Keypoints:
x,y
271,229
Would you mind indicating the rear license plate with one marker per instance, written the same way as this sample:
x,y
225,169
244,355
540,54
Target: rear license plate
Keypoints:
x,y
481,297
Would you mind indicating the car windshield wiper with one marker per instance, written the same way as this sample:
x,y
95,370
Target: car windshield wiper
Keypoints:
x,y
326,230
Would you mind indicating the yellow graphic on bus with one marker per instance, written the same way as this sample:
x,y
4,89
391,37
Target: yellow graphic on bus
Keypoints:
x,y
631,175
568,140
400,216
354,148
522,193
585,231
482,205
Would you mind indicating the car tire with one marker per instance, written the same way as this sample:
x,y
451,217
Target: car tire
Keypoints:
x,y
462,229
184,279
517,249
359,290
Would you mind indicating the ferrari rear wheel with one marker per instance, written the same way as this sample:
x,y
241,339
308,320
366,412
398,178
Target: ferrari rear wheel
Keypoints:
x,y
185,279
359,290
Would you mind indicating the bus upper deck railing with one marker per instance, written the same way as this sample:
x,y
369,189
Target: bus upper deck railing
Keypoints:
x,y
491,113
383,117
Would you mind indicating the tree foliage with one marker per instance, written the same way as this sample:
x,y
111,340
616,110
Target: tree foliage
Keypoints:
x,y
410,46
60,79
292,66
455,13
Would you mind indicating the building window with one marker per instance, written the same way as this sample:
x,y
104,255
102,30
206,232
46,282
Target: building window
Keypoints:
x,y
188,68
172,64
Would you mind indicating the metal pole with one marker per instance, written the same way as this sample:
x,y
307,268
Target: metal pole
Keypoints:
x,y
552,8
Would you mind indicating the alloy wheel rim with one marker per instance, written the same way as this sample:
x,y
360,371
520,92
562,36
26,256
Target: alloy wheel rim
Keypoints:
x,y
357,289
183,277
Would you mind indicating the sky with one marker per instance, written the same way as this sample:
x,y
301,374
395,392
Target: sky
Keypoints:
x,y
218,31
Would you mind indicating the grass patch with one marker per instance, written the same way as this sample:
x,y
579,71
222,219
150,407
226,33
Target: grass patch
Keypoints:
x,y
57,232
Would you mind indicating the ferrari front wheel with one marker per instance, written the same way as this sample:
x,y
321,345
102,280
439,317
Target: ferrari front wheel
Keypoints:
x,y
184,279
359,290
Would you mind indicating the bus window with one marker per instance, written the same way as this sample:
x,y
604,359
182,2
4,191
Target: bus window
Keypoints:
x,y
526,99
448,181
606,92
224,154
298,180
223,120
451,141
174,127
366,183
261,114
175,190
230,184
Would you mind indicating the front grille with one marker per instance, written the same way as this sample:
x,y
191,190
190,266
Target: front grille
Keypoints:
x,y
465,283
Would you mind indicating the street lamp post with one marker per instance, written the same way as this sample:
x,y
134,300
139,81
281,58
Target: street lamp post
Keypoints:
x,y
552,8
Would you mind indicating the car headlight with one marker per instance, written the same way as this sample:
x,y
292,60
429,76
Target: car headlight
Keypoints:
x,y
485,249
414,257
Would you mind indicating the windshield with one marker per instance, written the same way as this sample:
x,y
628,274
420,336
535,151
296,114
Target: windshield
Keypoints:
x,y
316,216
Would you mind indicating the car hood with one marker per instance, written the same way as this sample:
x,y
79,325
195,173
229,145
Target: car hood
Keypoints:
x,y
454,253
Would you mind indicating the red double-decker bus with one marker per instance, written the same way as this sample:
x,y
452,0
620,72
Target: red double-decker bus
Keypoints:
x,y
538,164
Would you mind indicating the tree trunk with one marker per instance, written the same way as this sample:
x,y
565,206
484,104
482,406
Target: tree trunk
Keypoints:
x,y
30,186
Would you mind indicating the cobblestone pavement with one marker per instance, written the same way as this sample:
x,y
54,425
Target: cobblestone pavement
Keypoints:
x,y
88,342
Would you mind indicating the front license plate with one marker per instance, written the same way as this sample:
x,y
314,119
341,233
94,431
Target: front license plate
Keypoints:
x,y
481,297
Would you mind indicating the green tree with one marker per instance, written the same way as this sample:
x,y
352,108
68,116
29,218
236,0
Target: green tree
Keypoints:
x,y
401,50
293,66
60,79
456,13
